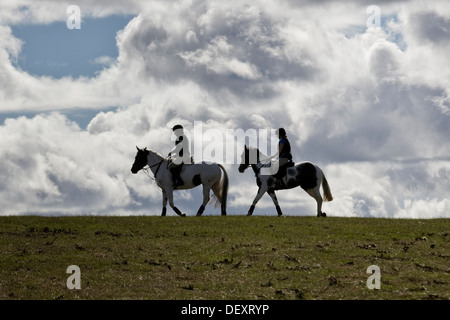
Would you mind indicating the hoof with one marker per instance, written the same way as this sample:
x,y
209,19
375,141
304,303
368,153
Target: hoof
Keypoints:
x,y
183,215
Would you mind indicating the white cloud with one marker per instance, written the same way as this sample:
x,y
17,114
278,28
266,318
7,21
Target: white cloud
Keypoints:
x,y
371,111
103,60
49,164
390,189
216,58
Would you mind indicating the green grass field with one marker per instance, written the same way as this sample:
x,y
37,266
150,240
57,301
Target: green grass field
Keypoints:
x,y
214,257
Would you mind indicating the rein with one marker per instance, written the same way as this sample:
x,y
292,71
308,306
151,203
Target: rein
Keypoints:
x,y
154,165
257,166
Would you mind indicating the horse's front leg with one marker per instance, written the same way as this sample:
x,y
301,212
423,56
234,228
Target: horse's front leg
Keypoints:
x,y
260,193
169,193
164,203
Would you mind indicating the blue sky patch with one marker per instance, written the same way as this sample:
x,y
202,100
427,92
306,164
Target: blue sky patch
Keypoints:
x,y
56,51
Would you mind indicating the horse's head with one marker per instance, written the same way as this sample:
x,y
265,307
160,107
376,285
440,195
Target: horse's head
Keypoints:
x,y
141,160
249,156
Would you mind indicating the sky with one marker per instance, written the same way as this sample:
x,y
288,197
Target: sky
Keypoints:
x,y
362,91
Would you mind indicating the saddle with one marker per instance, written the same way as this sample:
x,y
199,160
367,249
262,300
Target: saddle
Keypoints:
x,y
282,170
170,160
175,170
279,176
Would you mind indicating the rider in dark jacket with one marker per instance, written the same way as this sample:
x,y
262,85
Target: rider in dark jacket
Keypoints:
x,y
284,153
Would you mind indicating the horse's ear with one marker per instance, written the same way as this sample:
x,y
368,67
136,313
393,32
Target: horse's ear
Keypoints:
x,y
145,149
137,148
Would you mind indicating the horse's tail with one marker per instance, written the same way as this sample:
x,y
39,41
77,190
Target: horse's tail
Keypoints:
x,y
220,189
327,196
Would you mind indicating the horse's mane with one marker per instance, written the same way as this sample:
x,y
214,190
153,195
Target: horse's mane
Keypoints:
x,y
155,152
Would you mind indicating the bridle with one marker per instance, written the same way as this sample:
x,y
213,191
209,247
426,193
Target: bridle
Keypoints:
x,y
157,169
151,166
256,166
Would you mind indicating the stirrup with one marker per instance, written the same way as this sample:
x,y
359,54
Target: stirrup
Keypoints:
x,y
178,183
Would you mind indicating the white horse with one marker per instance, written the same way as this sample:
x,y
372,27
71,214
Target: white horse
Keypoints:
x,y
207,174
304,174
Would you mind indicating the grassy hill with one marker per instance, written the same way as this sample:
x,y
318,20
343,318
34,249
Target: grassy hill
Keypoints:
x,y
214,257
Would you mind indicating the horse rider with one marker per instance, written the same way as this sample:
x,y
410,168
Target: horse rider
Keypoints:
x,y
179,154
284,154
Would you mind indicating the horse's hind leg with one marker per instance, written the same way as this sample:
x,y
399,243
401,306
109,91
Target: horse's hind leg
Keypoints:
x,y
206,198
315,193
